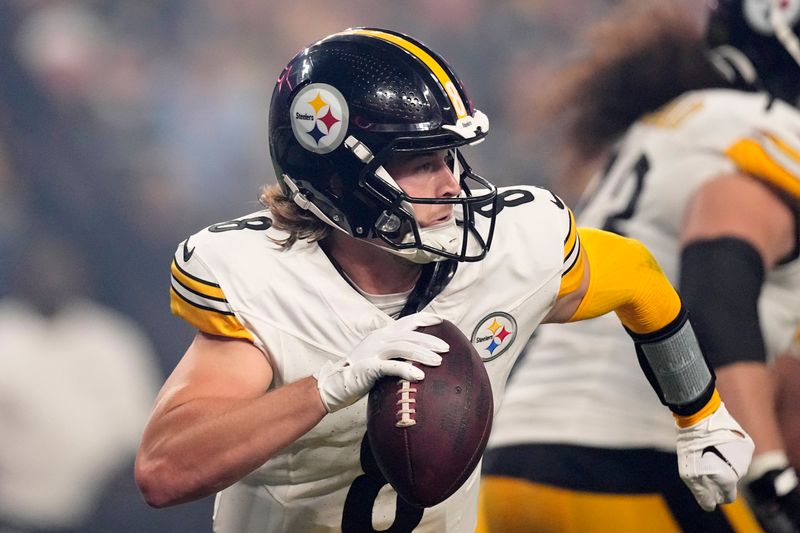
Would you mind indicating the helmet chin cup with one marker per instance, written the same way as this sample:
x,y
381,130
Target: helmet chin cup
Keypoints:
x,y
445,236
435,242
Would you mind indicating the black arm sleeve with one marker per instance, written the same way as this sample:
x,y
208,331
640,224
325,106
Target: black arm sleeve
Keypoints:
x,y
720,283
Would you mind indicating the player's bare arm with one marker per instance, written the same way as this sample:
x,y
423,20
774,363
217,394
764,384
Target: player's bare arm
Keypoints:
x,y
734,206
735,230
214,421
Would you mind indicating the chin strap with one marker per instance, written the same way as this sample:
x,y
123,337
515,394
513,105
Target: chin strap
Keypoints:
x,y
307,205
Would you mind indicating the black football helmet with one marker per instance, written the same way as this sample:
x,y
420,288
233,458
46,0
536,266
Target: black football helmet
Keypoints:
x,y
343,106
766,33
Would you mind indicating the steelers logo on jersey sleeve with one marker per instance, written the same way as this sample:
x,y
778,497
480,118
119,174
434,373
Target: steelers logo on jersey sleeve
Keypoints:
x,y
494,334
319,116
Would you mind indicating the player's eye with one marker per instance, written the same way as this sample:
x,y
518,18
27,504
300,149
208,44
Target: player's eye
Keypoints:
x,y
431,163
426,167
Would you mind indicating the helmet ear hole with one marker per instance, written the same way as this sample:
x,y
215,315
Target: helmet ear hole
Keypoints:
x,y
336,186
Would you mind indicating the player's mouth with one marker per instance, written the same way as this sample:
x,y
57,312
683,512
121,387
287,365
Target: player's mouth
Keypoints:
x,y
444,217
435,223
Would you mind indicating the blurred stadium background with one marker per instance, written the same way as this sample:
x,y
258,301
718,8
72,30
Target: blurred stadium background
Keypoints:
x,y
127,125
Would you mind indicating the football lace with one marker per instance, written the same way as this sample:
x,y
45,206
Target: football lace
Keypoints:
x,y
405,413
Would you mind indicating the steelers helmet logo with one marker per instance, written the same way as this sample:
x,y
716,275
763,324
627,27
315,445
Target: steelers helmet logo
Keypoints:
x,y
758,12
319,118
494,334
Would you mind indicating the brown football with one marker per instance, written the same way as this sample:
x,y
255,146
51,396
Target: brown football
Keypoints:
x,y
427,437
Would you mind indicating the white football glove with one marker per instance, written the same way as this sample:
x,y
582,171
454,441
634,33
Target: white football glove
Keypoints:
x,y
713,455
343,382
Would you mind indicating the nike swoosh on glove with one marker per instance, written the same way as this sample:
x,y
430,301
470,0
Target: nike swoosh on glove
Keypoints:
x,y
713,455
384,352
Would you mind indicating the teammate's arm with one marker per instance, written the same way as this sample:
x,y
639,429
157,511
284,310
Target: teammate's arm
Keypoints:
x,y
214,422
735,230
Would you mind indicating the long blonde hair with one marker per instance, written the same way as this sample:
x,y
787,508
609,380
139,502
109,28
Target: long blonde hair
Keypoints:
x,y
287,216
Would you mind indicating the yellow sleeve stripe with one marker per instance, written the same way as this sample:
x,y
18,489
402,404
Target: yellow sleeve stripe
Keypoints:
x,y
426,58
211,321
773,160
572,236
572,275
792,151
218,305
195,284
708,410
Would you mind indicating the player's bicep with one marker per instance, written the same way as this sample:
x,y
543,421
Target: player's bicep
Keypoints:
x,y
716,211
216,367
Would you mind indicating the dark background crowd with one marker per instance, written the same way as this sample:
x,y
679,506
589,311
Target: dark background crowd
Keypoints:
x,y
126,126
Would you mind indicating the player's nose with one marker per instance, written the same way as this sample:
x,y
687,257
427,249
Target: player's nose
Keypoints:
x,y
447,184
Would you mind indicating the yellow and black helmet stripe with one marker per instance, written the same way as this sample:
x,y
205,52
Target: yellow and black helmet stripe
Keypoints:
x,y
440,70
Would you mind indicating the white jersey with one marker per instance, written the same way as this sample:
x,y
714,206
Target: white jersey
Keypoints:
x,y
231,279
581,383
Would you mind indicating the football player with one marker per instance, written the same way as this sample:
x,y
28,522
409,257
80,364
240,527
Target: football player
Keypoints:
x,y
705,171
377,226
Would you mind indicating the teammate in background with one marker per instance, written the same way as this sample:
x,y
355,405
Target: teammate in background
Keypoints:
x,y
787,374
377,216
703,146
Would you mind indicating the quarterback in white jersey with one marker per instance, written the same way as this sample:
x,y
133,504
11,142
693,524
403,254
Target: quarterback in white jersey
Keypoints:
x,y
378,226
315,316
579,392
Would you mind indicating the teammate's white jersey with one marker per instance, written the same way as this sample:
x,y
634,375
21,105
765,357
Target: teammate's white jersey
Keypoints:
x,y
231,279
581,383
